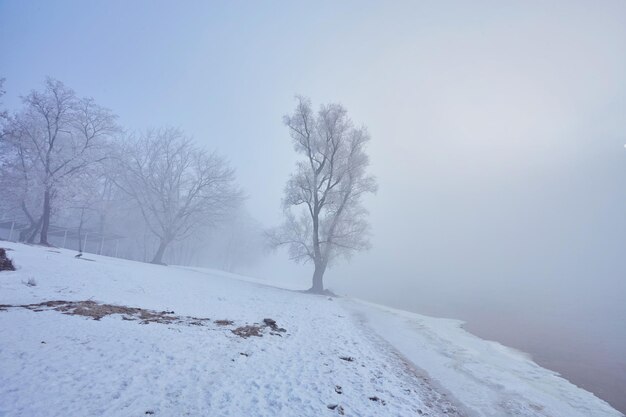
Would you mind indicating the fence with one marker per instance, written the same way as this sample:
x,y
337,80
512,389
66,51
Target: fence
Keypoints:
x,y
68,238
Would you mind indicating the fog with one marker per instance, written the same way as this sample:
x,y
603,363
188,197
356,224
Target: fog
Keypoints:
x,y
498,134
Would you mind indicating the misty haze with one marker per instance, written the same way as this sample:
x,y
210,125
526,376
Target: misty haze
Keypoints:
x,y
313,208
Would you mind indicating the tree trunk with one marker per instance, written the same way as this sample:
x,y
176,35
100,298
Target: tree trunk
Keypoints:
x,y
31,233
43,237
28,235
318,278
320,265
158,256
80,230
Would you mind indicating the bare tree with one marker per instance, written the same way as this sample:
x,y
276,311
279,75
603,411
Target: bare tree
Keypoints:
x,y
4,115
56,138
21,190
324,216
21,194
177,186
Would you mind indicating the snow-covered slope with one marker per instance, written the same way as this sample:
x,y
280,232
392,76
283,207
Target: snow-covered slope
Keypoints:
x,y
335,355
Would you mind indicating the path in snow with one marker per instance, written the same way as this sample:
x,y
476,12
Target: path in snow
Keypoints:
x,y
488,378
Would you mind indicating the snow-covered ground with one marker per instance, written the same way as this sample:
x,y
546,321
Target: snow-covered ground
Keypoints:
x,y
394,363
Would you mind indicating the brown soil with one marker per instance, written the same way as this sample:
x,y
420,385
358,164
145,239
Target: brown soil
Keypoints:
x,y
272,325
247,331
97,311
257,329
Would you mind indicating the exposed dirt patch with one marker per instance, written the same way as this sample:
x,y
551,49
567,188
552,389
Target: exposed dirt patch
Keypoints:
x,y
97,311
247,331
6,264
347,358
257,329
272,325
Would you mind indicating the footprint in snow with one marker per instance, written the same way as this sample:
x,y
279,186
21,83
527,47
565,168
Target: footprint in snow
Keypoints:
x,y
379,400
336,407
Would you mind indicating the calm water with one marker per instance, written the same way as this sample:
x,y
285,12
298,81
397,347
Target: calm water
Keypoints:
x,y
578,331
572,326
588,351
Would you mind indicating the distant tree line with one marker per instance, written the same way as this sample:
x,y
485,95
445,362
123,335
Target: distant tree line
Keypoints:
x,y
65,160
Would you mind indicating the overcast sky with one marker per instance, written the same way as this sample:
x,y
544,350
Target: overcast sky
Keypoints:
x,y
498,128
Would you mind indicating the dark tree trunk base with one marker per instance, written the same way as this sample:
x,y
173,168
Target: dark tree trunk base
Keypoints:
x,y
317,284
45,224
318,292
158,256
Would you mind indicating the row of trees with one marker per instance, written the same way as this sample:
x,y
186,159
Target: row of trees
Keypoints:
x,y
65,157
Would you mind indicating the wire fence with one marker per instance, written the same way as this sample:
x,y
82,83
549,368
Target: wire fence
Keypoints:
x,y
100,243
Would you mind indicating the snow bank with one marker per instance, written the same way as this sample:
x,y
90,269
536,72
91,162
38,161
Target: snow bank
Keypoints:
x,y
487,377
327,362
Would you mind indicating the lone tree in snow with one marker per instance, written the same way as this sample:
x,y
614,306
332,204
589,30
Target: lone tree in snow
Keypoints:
x,y
324,215
177,186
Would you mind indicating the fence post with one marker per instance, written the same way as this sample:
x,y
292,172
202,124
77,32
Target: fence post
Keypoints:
x,y
11,232
85,242
64,238
101,245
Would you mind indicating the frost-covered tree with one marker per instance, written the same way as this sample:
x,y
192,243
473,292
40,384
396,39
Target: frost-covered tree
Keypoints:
x,y
21,190
8,189
177,186
52,142
324,215
84,201
4,115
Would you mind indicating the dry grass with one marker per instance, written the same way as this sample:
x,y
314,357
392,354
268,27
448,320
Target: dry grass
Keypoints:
x,y
247,331
97,311
257,329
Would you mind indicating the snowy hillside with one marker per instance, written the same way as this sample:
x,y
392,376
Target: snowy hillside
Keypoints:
x,y
133,339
